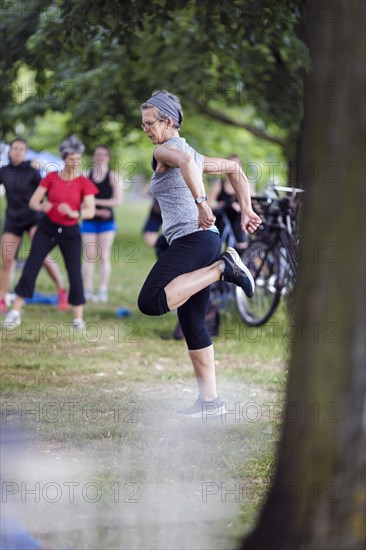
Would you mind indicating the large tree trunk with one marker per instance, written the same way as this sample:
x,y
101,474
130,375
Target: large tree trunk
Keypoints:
x,y
317,501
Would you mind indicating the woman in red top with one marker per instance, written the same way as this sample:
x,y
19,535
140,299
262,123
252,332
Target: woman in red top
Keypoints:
x,y
70,197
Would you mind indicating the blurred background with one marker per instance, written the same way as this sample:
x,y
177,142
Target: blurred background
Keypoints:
x,y
280,84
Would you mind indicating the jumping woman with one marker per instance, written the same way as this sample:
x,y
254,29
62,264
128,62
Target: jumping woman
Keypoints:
x,y
182,276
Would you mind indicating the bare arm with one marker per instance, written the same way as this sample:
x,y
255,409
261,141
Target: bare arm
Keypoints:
x,y
238,179
171,156
240,183
87,210
115,181
36,201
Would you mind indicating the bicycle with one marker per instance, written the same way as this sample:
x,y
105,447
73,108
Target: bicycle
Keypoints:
x,y
271,255
222,293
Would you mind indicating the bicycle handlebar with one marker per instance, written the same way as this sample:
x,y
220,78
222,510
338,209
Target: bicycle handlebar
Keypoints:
x,y
292,190
268,207
269,201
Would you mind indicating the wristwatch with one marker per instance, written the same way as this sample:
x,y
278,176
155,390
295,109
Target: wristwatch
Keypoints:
x,y
200,200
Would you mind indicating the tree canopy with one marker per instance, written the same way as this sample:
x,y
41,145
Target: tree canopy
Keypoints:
x,y
239,62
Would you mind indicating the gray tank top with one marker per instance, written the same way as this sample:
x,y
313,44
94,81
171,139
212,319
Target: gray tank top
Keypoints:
x,y
178,209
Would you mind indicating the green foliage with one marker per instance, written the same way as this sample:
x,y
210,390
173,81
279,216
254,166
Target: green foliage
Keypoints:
x,y
99,60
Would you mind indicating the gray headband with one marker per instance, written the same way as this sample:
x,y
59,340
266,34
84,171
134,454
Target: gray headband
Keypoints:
x,y
166,105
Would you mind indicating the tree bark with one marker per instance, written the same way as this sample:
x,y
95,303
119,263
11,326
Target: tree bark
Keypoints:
x,y
317,499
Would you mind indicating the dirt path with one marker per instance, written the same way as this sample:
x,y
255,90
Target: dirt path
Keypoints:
x,y
118,469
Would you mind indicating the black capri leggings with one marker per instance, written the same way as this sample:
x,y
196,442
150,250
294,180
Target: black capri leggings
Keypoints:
x,y
186,254
47,236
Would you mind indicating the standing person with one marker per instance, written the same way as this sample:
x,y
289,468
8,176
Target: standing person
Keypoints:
x,y
70,197
20,180
222,196
152,225
99,233
182,276
151,229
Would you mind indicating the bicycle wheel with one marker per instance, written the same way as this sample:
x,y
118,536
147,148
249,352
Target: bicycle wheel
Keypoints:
x,y
289,244
264,264
290,260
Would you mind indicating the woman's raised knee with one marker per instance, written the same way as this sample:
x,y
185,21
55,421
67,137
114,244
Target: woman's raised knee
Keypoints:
x,y
146,306
152,305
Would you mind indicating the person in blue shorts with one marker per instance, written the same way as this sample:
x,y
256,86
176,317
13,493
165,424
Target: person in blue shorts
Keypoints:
x,y
99,233
182,276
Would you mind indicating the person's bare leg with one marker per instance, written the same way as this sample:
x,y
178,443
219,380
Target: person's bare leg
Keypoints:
x,y
12,274
203,361
150,238
78,312
180,289
9,245
50,265
18,302
91,252
106,241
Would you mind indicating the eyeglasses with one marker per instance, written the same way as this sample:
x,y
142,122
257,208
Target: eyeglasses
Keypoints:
x,y
147,125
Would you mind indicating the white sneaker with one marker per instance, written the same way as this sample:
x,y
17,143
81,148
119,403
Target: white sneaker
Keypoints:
x,y
272,281
205,410
103,296
88,294
78,324
12,319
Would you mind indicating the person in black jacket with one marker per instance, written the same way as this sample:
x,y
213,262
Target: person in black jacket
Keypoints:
x,y
20,180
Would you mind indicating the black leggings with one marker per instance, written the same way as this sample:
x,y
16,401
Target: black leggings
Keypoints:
x,y
186,254
47,236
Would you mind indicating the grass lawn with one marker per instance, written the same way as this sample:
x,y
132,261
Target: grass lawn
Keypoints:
x,y
109,463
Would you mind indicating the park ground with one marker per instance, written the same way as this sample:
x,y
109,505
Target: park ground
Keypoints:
x,y
103,460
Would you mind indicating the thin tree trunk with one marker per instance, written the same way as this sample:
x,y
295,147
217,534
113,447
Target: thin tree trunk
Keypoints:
x,y
317,501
